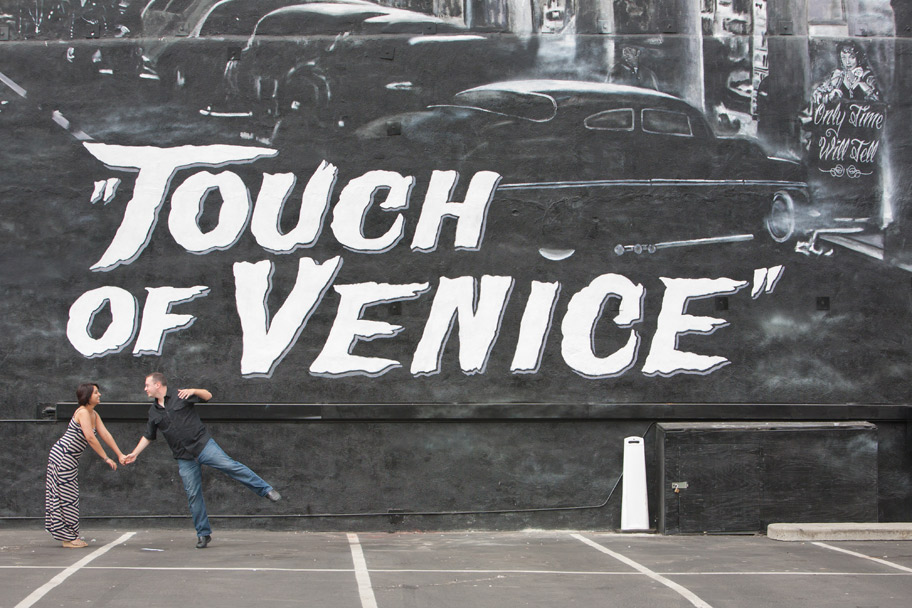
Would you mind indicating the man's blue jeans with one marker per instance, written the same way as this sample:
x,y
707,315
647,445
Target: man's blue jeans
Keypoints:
x,y
215,457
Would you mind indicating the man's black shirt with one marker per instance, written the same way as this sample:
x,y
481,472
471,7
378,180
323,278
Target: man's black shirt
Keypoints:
x,y
180,424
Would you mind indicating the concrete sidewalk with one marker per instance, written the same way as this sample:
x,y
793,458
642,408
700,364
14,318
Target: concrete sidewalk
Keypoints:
x,y
840,531
152,568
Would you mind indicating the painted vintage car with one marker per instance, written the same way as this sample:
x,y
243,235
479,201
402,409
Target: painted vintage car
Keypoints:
x,y
298,65
190,41
595,166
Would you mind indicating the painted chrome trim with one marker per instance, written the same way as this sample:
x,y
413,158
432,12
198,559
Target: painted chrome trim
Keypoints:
x,y
645,183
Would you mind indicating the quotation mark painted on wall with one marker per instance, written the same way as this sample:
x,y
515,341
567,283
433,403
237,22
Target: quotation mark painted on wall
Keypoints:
x,y
765,280
105,190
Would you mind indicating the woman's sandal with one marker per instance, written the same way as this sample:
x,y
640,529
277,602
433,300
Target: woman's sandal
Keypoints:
x,y
75,544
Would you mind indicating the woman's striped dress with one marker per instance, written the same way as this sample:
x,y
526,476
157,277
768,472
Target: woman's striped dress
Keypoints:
x,y
61,508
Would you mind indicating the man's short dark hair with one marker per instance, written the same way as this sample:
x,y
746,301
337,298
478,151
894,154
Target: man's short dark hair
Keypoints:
x,y
158,377
84,392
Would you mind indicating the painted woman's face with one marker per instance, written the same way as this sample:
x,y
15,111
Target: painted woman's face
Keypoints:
x,y
849,60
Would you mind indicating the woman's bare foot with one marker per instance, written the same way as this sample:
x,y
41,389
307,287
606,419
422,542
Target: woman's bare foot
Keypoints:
x,y
75,544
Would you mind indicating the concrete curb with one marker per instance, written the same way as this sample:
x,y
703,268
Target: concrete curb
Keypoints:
x,y
840,531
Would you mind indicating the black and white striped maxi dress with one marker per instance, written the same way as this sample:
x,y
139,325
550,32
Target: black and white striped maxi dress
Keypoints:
x,y
61,507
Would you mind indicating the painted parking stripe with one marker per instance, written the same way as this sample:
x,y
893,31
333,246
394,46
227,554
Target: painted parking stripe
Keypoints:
x,y
13,86
43,590
361,574
56,116
683,591
862,555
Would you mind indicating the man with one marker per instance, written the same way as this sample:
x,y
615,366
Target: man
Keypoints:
x,y
173,413
629,71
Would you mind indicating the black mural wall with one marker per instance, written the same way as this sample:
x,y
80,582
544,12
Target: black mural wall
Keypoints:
x,y
454,210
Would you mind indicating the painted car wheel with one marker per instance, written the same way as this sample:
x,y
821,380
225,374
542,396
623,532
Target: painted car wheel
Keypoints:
x,y
780,223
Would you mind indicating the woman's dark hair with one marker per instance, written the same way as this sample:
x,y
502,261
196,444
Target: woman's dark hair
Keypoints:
x,y
84,392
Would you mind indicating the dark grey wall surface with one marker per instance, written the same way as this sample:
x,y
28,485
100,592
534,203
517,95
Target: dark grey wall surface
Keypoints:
x,y
520,470
741,477
350,475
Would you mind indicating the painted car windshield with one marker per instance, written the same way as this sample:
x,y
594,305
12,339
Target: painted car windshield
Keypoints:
x,y
529,106
611,120
666,122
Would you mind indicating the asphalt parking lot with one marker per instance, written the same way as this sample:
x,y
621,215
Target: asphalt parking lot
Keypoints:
x,y
161,567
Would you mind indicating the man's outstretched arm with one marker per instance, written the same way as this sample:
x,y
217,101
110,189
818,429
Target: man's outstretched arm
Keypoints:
x,y
202,393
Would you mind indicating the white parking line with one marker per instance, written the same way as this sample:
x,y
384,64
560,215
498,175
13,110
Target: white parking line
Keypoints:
x,y
683,591
862,555
487,571
43,590
361,574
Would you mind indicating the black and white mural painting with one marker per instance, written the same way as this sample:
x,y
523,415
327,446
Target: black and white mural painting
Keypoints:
x,y
348,201
845,124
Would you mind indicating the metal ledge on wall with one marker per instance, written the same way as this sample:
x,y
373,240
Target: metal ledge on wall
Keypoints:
x,y
289,412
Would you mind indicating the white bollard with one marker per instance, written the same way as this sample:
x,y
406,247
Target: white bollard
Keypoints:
x,y
634,506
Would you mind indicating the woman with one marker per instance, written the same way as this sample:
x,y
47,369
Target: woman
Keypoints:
x,y
61,510
852,80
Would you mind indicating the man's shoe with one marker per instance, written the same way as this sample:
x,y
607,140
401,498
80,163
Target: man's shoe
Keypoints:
x,y
202,541
273,496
